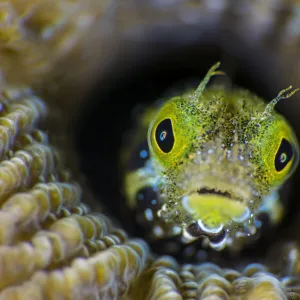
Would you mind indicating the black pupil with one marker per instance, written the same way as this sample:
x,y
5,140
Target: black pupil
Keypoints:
x,y
164,135
284,155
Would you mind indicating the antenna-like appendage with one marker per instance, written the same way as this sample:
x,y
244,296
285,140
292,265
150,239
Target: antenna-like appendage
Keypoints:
x,y
212,71
281,95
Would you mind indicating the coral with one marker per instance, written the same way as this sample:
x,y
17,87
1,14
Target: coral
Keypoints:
x,y
53,245
50,239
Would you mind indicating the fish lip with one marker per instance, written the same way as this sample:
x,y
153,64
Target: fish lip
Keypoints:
x,y
205,191
230,194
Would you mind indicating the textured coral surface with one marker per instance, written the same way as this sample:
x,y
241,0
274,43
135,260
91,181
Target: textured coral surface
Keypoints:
x,y
53,245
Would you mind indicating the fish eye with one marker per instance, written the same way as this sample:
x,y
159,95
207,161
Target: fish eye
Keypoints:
x,y
164,136
284,155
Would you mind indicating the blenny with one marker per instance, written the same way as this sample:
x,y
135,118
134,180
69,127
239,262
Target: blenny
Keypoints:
x,y
209,163
58,241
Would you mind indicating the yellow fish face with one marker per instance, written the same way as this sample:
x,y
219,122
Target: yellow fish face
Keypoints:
x,y
211,162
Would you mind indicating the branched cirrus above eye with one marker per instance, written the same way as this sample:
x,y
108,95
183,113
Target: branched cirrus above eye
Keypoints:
x,y
164,136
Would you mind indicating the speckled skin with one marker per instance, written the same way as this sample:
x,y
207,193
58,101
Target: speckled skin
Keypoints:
x,y
52,245
225,141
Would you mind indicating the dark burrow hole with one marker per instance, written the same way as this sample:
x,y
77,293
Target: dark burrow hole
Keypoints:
x,y
140,76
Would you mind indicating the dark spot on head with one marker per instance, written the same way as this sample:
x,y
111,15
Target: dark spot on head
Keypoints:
x,y
264,218
147,205
139,156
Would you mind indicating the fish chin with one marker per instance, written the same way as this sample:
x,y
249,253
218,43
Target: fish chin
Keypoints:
x,y
215,209
223,220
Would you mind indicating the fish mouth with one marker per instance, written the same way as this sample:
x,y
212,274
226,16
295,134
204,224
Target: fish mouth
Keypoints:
x,y
212,191
215,208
